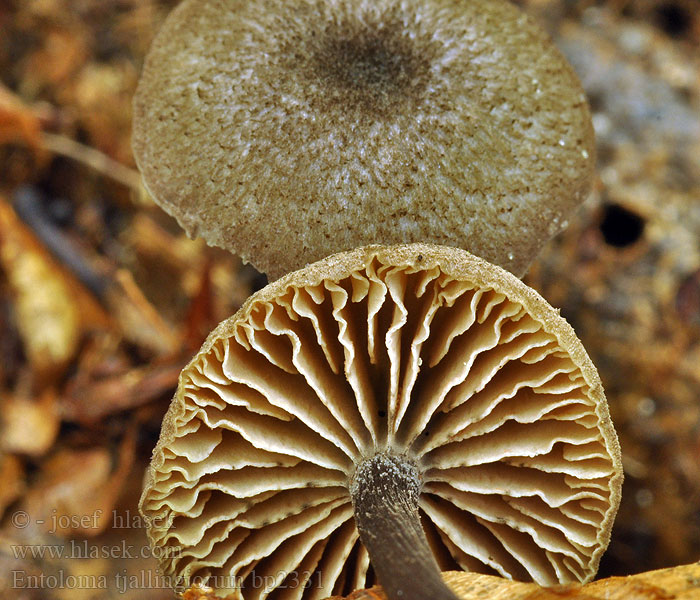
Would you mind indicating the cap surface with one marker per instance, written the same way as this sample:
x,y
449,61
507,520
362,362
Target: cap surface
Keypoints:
x,y
286,132
420,351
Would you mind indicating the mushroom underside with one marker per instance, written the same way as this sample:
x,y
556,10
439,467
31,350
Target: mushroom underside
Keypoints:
x,y
416,351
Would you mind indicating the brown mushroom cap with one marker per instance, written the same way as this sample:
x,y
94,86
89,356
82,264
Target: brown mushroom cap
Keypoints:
x,y
416,351
286,132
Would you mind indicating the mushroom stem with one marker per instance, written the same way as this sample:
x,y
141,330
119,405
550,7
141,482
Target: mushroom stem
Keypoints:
x,y
385,490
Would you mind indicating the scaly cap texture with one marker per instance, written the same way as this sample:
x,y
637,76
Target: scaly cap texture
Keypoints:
x,y
288,131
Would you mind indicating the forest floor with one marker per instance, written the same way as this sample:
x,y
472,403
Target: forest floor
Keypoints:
x,y
103,299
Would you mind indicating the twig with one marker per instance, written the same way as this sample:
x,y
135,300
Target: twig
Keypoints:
x,y
29,207
99,161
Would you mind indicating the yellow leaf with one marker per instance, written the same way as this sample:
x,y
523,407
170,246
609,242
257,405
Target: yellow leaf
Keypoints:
x,y
51,307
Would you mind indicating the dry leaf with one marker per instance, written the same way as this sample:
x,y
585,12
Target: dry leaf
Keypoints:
x,y
51,306
29,426
18,123
89,397
139,321
66,495
197,592
678,583
47,314
12,478
373,593
59,57
134,316
200,317
77,489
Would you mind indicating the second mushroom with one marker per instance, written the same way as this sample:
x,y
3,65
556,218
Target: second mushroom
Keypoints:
x,y
377,415
288,131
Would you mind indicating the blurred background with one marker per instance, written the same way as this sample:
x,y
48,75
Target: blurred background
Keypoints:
x,y
103,299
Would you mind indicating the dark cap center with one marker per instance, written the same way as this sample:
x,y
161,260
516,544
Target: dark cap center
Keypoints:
x,y
375,69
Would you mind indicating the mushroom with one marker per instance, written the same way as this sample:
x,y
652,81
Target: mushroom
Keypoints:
x,y
286,132
381,413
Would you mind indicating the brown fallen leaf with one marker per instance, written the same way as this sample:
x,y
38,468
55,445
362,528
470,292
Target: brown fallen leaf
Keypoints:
x,y
29,426
138,319
197,592
58,58
677,583
200,318
374,593
18,123
77,489
12,478
89,397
